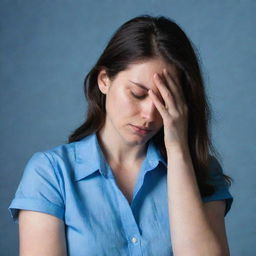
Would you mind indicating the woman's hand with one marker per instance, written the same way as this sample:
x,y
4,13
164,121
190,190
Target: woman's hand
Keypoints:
x,y
174,111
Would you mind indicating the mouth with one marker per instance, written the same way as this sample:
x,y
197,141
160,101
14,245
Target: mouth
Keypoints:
x,y
140,129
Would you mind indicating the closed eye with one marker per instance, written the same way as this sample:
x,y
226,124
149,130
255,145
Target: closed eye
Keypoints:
x,y
137,96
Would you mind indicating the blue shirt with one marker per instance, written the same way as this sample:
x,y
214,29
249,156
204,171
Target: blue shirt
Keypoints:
x,y
74,182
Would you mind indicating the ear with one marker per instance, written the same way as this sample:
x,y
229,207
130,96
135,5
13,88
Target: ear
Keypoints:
x,y
103,81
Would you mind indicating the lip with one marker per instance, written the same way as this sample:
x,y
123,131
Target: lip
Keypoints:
x,y
140,130
141,127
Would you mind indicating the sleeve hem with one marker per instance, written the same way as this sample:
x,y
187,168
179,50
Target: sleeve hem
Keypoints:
x,y
227,197
34,205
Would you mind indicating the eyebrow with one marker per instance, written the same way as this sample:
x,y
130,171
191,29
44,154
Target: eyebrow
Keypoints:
x,y
140,85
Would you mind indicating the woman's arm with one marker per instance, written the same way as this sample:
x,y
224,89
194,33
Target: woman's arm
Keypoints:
x,y
192,227
41,234
196,229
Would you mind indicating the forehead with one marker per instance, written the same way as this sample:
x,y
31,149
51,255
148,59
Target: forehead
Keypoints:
x,y
143,71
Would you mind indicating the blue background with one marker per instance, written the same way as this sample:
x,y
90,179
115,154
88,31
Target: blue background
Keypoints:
x,y
46,49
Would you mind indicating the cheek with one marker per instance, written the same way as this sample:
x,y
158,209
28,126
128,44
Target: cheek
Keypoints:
x,y
121,104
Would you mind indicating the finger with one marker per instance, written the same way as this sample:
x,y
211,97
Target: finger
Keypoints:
x,y
175,88
160,107
165,93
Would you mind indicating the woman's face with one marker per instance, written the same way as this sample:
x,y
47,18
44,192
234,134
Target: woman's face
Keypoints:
x,y
128,103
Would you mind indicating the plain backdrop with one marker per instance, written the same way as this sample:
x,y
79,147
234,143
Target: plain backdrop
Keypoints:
x,y
48,46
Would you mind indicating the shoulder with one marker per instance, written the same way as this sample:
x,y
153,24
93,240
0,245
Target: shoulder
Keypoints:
x,y
64,153
221,186
215,164
55,163
68,161
71,152
216,174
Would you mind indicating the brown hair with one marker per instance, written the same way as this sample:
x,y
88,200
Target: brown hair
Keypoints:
x,y
146,37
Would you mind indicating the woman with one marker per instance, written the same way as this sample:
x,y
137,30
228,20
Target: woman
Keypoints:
x,y
137,178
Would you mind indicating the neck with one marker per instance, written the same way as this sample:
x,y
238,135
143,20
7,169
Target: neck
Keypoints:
x,y
121,154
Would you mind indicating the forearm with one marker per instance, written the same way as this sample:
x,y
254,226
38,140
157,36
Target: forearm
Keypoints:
x,y
190,231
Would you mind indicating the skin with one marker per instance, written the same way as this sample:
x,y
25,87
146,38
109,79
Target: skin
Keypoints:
x,y
123,109
41,234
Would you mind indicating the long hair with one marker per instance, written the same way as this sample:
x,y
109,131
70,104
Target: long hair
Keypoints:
x,y
143,38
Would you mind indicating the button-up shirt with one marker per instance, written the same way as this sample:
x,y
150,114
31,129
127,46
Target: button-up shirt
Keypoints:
x,y
75,183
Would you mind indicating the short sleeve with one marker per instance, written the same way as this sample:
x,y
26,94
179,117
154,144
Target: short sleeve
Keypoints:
x,y
39,188
221,186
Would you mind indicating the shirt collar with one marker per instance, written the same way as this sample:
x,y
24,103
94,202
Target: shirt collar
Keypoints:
x,y
89,157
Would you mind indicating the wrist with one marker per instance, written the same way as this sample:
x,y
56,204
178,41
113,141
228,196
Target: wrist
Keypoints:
x,y
178,150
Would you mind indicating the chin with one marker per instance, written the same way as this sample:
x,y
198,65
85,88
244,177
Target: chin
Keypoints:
x,y
138,139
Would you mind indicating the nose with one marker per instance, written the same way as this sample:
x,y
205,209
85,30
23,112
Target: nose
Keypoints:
x,y
149,110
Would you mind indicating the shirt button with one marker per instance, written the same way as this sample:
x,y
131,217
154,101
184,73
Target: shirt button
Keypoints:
x,y
134,240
